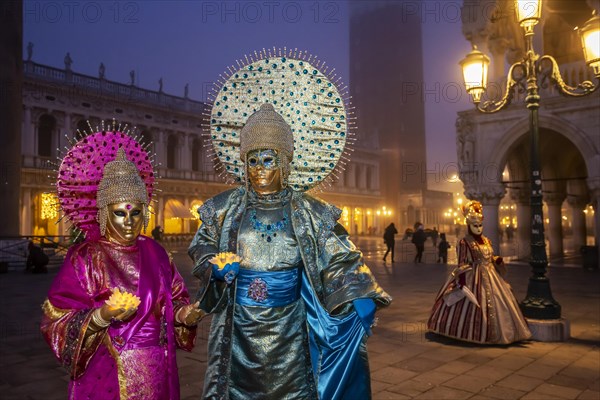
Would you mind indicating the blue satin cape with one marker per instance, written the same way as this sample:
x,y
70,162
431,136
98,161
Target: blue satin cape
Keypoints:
x,y
337,349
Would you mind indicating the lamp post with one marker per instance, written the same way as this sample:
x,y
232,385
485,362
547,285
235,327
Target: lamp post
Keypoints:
x,y
523,76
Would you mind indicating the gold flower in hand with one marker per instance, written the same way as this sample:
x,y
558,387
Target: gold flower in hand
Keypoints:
x,y
122,300
222,259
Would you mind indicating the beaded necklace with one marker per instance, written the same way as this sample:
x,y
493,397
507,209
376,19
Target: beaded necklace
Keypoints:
x,y
269,231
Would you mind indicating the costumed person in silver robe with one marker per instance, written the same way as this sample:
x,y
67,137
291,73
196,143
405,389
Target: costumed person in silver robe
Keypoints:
x,y
476,304
292,321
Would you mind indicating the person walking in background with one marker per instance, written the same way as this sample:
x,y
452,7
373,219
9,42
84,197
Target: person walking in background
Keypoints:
x,y
419,238
36,259
443,249
157,233
434,236
388,238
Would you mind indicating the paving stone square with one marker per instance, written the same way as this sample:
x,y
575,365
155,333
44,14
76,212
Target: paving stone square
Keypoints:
x,y
406,361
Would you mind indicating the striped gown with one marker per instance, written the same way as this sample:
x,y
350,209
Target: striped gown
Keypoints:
x,y
497,319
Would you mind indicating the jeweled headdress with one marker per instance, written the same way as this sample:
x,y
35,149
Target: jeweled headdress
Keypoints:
x,y
121,181
473,212
300,90
266,129
83,166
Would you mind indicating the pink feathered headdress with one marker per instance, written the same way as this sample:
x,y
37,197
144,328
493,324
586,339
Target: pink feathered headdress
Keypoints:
x,y
81,170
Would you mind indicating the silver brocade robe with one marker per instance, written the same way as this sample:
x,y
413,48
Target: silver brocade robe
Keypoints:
x,y
239,364
270,336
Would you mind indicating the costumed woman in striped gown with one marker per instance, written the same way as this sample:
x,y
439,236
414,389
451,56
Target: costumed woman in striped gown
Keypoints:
x,y
476,304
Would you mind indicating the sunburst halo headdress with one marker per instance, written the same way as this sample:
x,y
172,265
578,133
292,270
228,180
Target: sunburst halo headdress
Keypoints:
x,y
304,93
81,171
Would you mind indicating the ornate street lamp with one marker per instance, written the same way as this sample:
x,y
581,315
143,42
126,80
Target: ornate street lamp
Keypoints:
x,y
523,76
590,40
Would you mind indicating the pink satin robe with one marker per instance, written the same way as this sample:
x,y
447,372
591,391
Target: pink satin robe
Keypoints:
x,y
129,360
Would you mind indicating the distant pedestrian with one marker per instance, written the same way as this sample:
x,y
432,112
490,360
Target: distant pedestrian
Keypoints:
x,y
510,230
389,240
419,238
443,249
434,236
157,233
37,260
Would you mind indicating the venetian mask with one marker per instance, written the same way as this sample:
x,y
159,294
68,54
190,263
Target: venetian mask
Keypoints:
x,y
264,171
125,222
476,228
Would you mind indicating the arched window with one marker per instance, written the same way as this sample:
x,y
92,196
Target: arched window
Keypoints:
x,y
46,131
197,155
171,151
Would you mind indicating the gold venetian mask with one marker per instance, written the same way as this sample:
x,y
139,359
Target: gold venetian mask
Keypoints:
x,y
125,222
264,171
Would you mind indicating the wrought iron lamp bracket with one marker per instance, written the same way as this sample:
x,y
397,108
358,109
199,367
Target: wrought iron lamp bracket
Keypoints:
x,y
549,71
516,80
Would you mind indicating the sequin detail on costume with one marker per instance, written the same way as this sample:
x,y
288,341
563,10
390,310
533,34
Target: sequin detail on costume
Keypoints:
x,y
257,290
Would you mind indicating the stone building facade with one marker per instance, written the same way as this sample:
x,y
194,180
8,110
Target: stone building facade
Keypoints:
x,y
57,102
493,149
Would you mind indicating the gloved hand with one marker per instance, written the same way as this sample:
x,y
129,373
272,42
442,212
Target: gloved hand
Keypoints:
x,y
189,314
365,308
227,273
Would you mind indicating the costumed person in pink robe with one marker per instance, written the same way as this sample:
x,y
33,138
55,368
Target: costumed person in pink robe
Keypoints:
x,y
476,304
118,308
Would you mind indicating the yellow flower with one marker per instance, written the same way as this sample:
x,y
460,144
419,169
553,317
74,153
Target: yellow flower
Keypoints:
x,y
222,259
122,300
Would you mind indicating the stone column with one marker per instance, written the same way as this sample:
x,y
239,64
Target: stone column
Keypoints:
x,y
521,197
186,221
577,204
160,148
555,236
11,108
350,180
28,130
187,145
67,131
180,160
373,178
160,211
362,177
594,188
26,211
